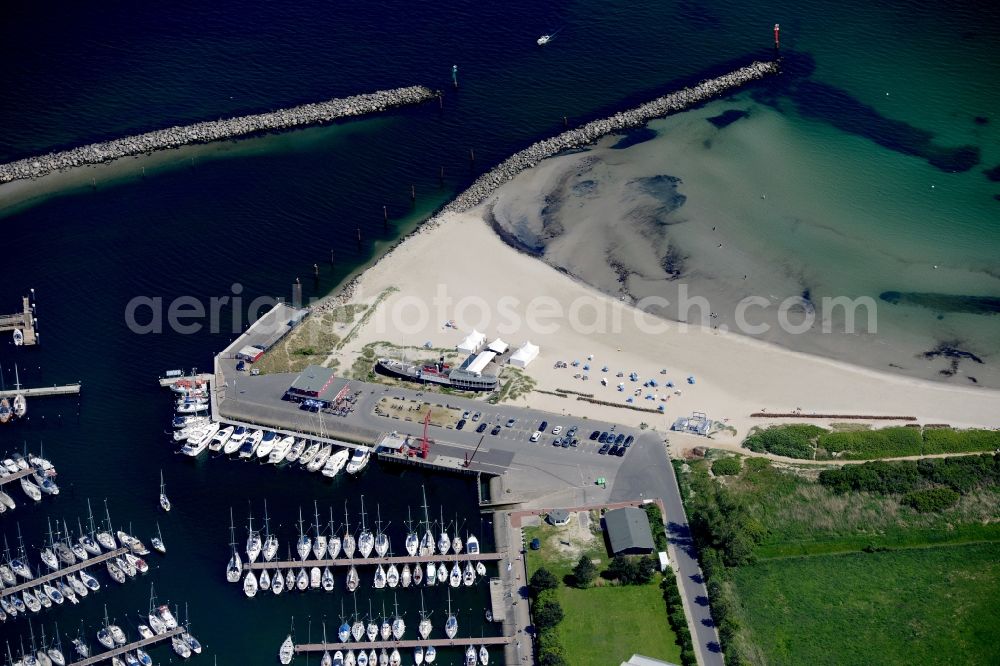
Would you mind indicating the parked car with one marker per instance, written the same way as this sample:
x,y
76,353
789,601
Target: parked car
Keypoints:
x,y
475,417
481,428
575,443
571,432
511,422
565,442
613,451
603,437
534,436
556,441
543,426
620,438
621,451
594,435
629,440
604,449
557,430
465,415
495,431
460,424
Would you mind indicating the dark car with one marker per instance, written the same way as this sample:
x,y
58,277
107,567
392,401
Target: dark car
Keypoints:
x,y
481,428
241,366
620,438
565,442
571,432
603,437
556,441
511,422
543,426
621,451
629,440
495,431
594,435
613,451
460,424
608,436
604,449
575,443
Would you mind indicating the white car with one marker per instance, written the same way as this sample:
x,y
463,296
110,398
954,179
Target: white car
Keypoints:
x,y
535,436
557,430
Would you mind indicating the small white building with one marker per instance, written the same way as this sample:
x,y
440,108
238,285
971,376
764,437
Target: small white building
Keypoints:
x,y
498,346
525,355
472,343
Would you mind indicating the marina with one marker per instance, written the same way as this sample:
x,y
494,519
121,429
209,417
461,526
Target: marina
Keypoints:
x,y
130,647
375,561
407,644
41,391
61,573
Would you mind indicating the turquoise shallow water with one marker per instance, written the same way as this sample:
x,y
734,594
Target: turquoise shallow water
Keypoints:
x,y
263,214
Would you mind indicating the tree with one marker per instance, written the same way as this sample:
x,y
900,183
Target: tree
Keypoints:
x,y
547,612
550,650
542,580
584,572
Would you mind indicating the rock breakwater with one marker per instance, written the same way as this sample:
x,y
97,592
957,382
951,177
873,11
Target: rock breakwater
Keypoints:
x,y
682,99
216,130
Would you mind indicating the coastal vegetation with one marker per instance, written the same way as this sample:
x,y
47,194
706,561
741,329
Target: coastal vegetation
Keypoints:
x,y
859,442
882,562
601,617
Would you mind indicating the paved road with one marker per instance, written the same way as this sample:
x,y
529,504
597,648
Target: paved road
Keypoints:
x,y
542,472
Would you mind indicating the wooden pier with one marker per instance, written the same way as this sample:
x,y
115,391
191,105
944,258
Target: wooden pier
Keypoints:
x,y
497,605
19,474
128,647
24,320
460,643
203,378
65,571
373,561
65,389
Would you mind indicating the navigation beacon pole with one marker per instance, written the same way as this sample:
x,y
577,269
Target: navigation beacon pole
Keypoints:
x,y
777,37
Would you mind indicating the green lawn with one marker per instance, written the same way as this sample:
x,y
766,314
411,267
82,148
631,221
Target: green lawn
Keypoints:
x,y
607,625
604,625
935,605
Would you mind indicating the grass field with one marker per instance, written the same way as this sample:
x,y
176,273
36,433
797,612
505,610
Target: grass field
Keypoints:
x,y
936,605
607,624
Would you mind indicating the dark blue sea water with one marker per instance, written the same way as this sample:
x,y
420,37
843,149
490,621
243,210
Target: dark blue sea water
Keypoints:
x,y
263,214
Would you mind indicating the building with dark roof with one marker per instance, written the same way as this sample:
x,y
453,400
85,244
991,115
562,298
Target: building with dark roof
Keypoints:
x,y
313,382
558,517
628,531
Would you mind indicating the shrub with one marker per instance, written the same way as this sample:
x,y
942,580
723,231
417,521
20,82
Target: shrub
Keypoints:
x,y
958,441
931,499
542,580
728,466
547,611
883,443
656,525
550,650
792,441
631,570
757,464
677,619
584,572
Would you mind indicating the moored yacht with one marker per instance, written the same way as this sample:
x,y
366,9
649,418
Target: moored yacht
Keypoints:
x,y
359,460
235,441
164,501
221,438
267,443
335,463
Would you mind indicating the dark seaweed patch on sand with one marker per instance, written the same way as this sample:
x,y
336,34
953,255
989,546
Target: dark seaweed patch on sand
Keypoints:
x,y
634,137
727,118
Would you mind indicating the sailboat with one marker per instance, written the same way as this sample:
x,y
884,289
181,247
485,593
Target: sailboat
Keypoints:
x,y
470,656
444,543
304,544
250,584
456,575
405,577
353,580
418,655
545,39
326,659
286,651
278,583
157,541
385,628
302,580
432,570
484,655
418,574
344,632
371,630
265,580
424,626
104,633
164,501
254,543
398,626
381,539
19,405
327,579
392,576
270,548
456,541
333,545
379,577
412,540
469,575
77,547
103,537
319,543
430,653
442,573
451,624
358,627
235,567
349,542
366,540
427,541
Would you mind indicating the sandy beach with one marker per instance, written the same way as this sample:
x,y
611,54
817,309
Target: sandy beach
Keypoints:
x,y
457,268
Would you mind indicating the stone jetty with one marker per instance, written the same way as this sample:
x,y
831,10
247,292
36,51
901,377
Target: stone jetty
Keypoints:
x,y
216,130
486,184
